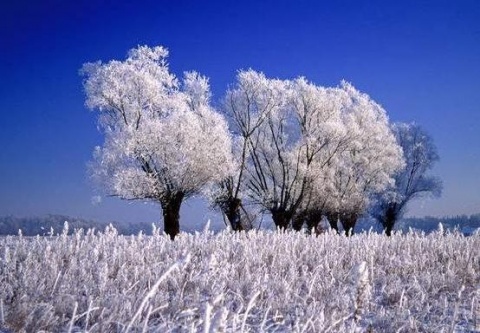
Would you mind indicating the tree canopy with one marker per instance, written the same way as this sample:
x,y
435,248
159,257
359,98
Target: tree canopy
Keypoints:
x,y
294,149
163,140
413,180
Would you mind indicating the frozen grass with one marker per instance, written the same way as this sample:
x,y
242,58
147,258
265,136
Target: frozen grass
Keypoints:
x,y
260,281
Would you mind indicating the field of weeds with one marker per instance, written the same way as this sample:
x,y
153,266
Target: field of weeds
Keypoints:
x,y
260,281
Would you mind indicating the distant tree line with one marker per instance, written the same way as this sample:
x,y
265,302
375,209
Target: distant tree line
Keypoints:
x,y
466,224
292,149
43,225
51,225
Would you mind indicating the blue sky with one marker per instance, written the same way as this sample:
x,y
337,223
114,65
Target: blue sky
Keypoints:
x,y
419,59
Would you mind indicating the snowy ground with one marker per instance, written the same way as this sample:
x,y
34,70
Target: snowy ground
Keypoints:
x,y
257,282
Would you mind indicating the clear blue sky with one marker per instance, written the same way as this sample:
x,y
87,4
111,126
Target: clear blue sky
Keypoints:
x,y
419,59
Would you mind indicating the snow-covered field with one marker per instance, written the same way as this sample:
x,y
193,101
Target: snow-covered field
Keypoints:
x,y
258,282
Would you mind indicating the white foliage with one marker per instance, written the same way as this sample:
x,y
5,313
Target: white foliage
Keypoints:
x,y
161,137
371,156
310,146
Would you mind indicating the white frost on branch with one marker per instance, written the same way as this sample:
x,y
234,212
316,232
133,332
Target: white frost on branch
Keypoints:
x,y
161,136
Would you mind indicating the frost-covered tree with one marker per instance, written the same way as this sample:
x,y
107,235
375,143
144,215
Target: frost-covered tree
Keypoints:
x,y
323,134
247,105
163,140
358,157
296,140
366,167
413,180
269,170
285,146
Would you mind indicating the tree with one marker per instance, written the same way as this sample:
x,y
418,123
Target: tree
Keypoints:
x,y
358,159
247,105
319,114
412,181
163,140
296,137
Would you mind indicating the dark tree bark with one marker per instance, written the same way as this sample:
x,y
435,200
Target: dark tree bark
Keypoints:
x,y
298,220
333,221
348,221
314,217
232,212
311,218
281,218
171,213
389,219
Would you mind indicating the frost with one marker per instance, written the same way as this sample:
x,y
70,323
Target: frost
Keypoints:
x,y
256,281
412,180
163,140
304,151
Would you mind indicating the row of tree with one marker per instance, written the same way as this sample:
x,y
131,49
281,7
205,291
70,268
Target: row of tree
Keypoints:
x,y
293,149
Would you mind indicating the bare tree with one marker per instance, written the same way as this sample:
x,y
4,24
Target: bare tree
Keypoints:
x,y
412,181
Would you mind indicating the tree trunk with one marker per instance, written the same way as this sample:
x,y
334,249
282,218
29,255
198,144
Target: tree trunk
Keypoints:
x,y
348,221
232,212
314,218
388,230
298,220
281,218
311,218
333,221
171,213
389,220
